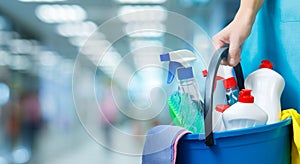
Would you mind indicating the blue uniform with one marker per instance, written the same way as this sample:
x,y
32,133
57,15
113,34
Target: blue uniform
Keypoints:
x,y
276,36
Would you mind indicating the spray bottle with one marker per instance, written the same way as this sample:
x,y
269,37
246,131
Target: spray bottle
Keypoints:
x,y
230,85
185,105
267,86
191,101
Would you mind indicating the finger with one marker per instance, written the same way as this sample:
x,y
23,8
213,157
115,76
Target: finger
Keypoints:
x,y
224,62
217,42
234,54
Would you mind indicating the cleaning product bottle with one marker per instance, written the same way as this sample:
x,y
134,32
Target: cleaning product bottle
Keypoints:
x,y
267,86
218,125
184,102
230,85
177,59
245,113
219,97
191,106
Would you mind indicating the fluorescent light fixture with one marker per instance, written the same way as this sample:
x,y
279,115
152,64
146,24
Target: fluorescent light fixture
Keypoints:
x,y
21,46
49,1
95,47
76,29
20,62
48,58
60,13
146,34
141,43
142,13
141,1
145,29
79,41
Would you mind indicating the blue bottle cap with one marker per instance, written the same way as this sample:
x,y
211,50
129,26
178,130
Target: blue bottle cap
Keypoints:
x,y
185,73
165,57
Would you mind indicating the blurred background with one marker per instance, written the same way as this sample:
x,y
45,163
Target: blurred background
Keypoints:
x,y
60,104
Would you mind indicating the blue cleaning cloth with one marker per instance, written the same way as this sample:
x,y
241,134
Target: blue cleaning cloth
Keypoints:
x,y
161,144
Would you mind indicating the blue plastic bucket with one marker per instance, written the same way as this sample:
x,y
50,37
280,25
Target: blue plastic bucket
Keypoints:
x,y
269,144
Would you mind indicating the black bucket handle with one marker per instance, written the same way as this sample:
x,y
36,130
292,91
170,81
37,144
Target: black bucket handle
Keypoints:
x,y
220,54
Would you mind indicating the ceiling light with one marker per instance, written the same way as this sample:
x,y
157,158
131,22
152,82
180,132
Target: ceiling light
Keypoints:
x,y
42,0
146,34
21,46
60,13
80,41
20,62
48,58
95,47
76,29
142,13
142,1
153,29
137,43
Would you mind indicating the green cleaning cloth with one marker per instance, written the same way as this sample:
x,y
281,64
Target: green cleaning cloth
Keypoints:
x,y
186,113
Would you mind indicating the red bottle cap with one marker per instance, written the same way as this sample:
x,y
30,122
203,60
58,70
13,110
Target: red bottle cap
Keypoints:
x,y
245,96
222,107
266,64
229,83
204,73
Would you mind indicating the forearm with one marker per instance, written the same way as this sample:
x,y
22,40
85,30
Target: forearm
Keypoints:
x,y
248,10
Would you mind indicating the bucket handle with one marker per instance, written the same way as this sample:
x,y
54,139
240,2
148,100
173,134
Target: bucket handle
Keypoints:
x,y
220,54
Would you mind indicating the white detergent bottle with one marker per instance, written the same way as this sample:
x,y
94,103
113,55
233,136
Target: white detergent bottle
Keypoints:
x,y
218,125
245,113
218,98
267,86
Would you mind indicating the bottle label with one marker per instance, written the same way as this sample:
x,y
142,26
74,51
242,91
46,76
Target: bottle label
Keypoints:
x,y
232,96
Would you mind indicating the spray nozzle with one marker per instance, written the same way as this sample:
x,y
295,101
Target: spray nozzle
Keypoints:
x,y
177,59
172,71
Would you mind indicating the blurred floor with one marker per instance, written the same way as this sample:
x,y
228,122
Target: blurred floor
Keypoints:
x,y
81,148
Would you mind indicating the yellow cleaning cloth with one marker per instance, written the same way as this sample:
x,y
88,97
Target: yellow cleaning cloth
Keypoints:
x,y
296,131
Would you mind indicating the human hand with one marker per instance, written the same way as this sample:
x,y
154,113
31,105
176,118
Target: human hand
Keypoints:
x,y
238,30
234,34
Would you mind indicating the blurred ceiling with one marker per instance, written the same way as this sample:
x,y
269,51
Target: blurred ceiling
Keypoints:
x,y
30,18
24,16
